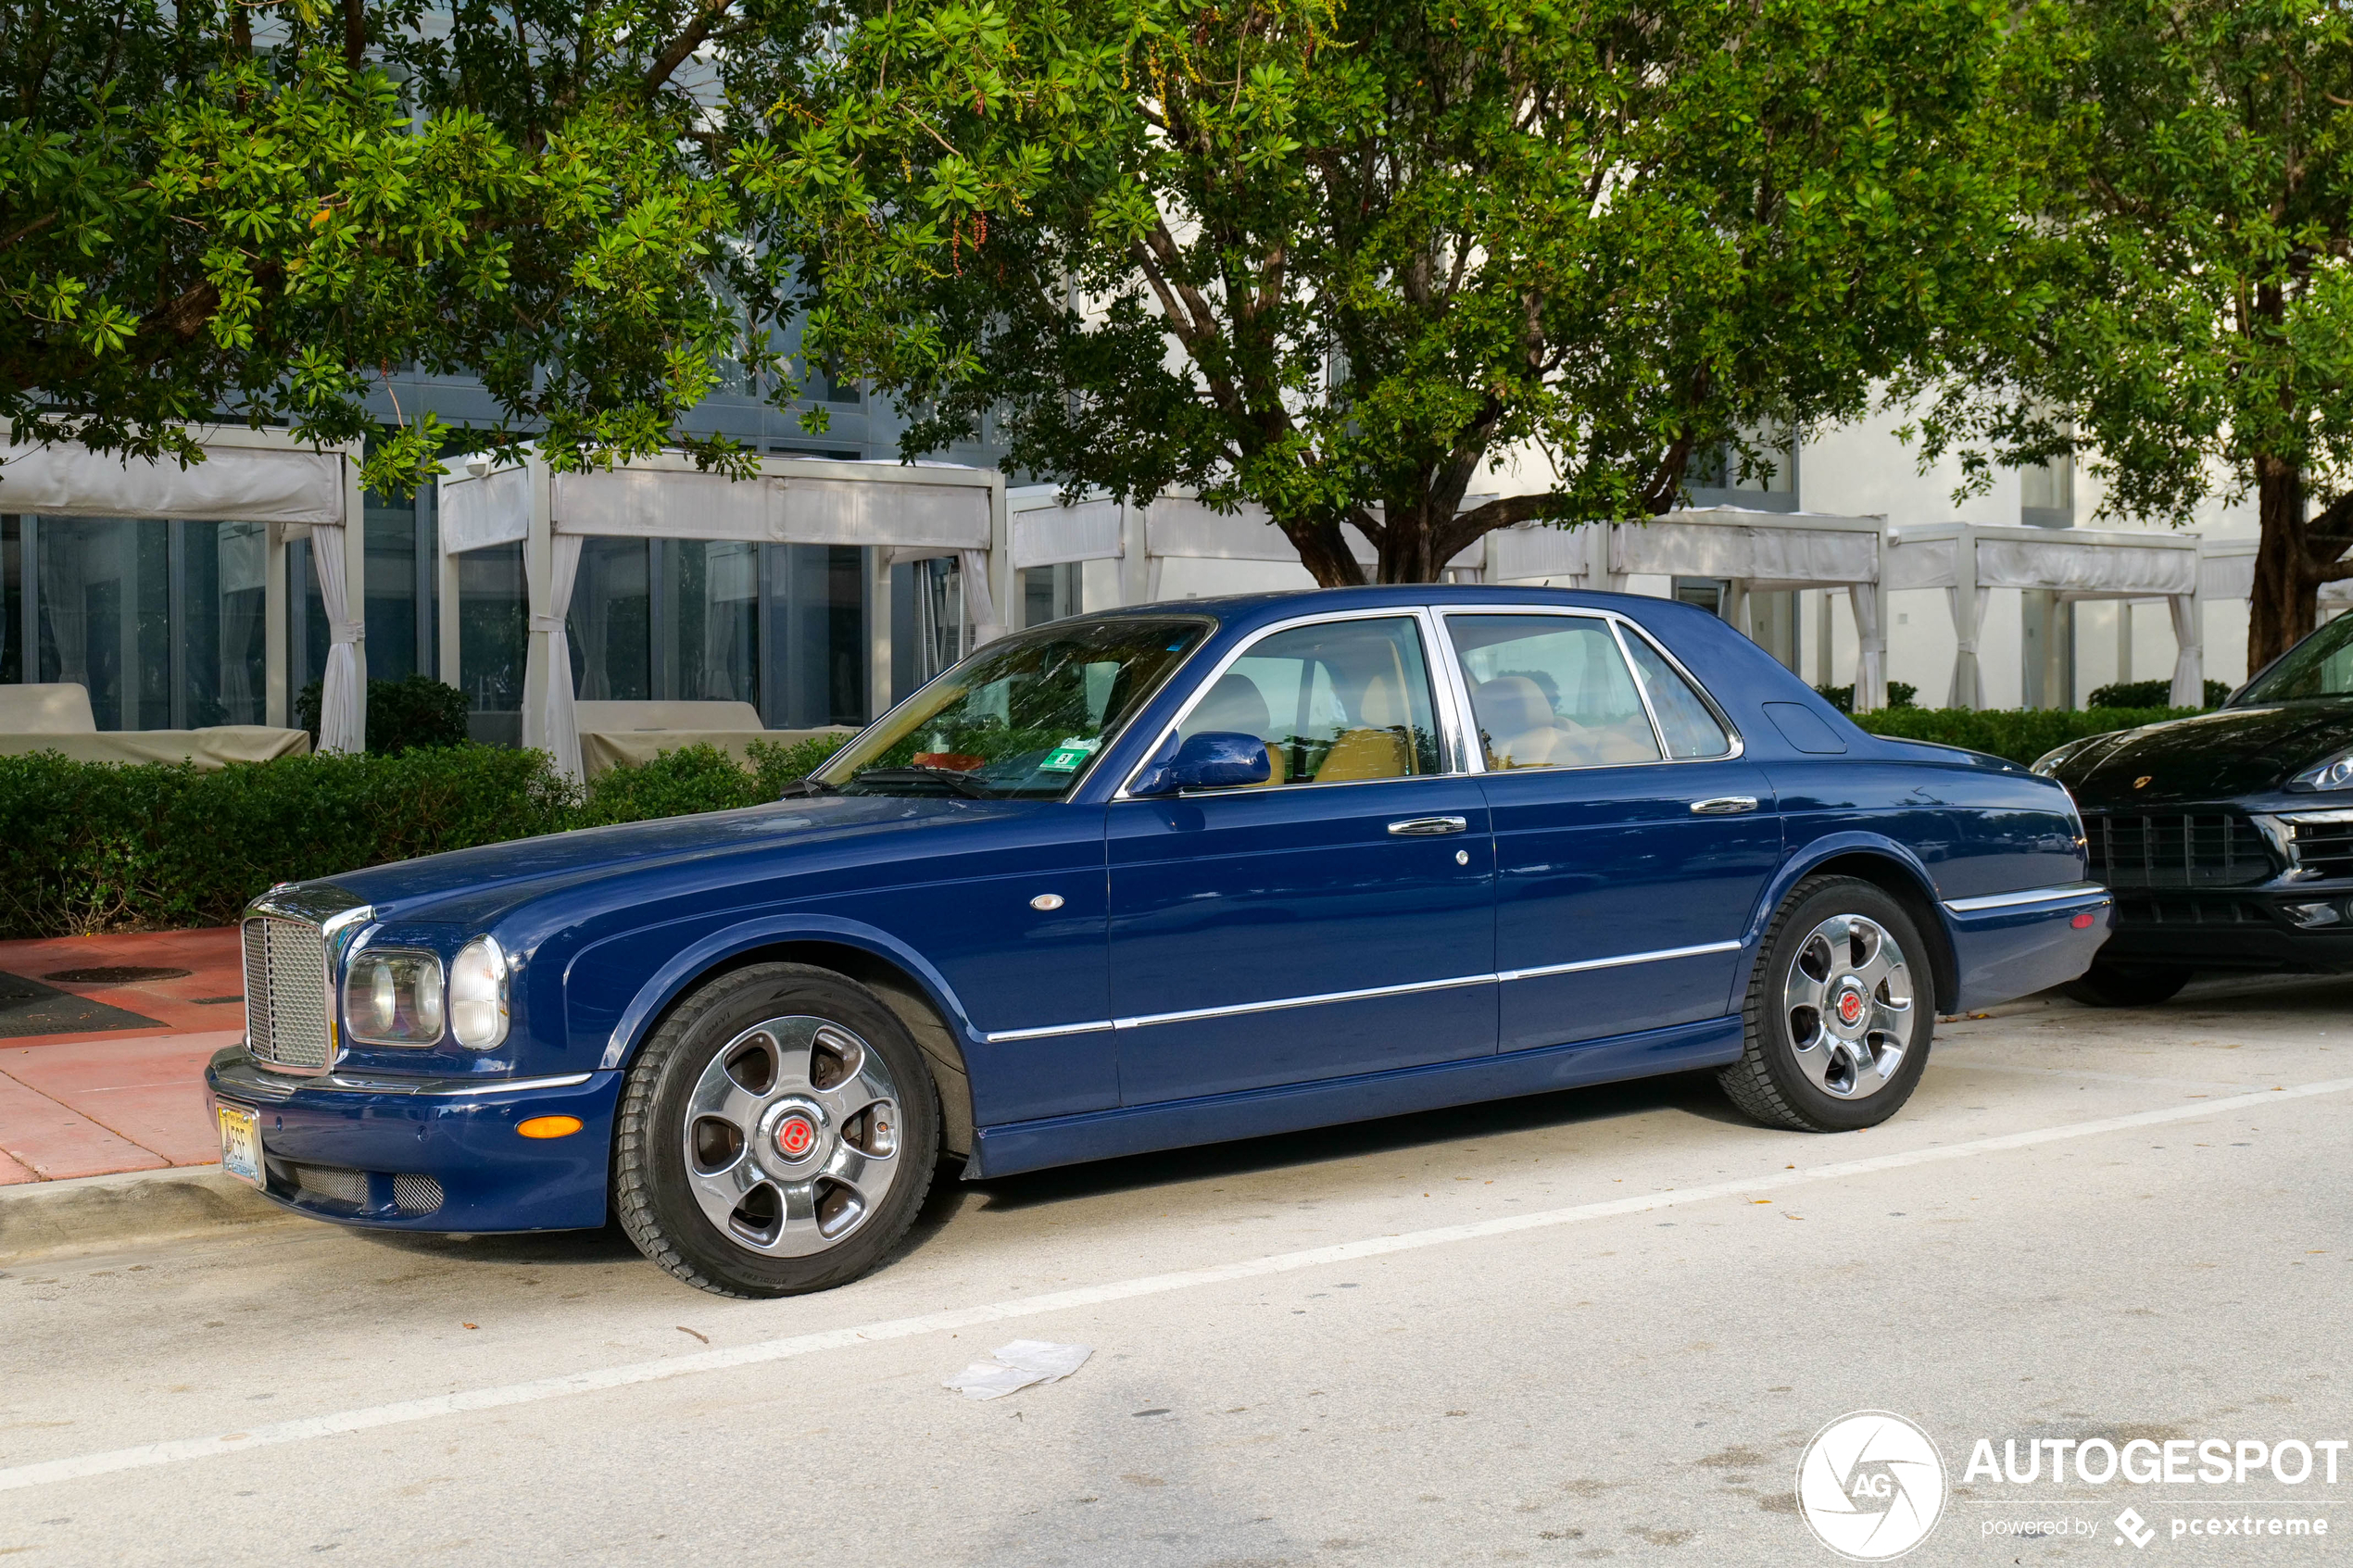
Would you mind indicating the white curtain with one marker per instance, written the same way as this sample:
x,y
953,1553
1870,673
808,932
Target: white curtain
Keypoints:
x,y
1870,657
986,628
551,651
2189,661
1968,678
343,701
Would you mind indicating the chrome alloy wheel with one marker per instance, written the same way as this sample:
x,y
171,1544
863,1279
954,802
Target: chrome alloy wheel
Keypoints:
x,y
792,1135
1848,1001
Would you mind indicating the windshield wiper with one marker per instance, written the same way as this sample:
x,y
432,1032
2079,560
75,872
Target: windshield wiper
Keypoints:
x,y
948,778
804,788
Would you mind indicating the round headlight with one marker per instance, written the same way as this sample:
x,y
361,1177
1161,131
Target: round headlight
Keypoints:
x,y
478,994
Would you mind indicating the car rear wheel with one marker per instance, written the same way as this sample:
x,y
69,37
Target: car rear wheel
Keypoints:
x,y
776,1135
1838,1012
2127,984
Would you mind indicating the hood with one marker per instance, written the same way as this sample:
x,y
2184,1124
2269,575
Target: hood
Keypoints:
x,y
2232,751
474,884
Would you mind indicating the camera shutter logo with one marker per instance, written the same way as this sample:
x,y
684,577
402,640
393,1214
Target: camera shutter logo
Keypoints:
x,y
1871,1486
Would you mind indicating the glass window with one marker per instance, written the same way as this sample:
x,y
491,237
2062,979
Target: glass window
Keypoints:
x,y
818,667
2321,665
609,623
1021,718
1336,703
223,633
1691,727
391,605
709,650
491,627
1552,691
106,617
12,599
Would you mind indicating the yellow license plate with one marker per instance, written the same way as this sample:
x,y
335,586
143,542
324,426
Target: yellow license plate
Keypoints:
x,y
241,1143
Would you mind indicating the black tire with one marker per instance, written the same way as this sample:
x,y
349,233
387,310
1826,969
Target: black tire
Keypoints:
x,y
654,1189
2109,984
1772,1081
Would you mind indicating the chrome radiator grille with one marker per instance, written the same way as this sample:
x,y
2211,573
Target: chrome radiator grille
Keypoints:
x,y
286,993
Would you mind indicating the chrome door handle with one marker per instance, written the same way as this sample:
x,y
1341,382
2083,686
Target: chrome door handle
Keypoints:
x,y
1724,806
1424,827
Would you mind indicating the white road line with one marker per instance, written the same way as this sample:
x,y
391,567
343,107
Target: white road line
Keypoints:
x,y
311,1427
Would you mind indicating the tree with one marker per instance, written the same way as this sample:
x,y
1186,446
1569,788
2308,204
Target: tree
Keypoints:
x,y
2192,324
218,207
1335,258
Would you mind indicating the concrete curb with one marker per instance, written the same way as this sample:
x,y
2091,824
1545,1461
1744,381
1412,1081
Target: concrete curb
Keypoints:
x,y
90,1213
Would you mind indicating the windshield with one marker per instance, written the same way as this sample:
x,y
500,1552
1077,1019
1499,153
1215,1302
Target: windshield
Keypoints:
x,y
2321,665
1024,718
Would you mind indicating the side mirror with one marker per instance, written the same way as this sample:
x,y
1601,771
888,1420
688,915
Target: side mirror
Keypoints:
x,y
1212,759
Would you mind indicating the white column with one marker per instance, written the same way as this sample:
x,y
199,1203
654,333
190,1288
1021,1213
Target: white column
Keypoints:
x,y
880,631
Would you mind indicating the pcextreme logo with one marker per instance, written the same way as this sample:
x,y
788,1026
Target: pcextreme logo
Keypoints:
x,y
1871,1486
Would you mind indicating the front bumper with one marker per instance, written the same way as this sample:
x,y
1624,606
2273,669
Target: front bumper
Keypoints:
x,y
2236,928
339,1149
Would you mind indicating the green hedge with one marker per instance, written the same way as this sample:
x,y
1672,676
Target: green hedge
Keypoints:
x,y
95,846
2020,734
2151,694
413,711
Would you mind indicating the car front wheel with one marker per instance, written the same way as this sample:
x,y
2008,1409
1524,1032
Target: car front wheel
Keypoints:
x,y
776,1134
1838,1012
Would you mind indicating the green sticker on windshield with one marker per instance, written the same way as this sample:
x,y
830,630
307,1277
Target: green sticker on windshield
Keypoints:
x,y
1065,757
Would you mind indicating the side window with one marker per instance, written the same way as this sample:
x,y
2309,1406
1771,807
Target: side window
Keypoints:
x,y
1335,703
1690,727
1552,691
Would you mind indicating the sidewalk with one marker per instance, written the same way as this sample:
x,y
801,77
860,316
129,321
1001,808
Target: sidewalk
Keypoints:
x,y
102,1042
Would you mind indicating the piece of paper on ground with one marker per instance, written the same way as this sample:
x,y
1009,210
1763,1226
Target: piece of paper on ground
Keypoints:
x,y
1019,1365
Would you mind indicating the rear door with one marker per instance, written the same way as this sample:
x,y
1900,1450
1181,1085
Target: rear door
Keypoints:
x,y
1338,919
1632,841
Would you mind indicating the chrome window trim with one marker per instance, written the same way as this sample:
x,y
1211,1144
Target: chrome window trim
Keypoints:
x,y
2057,893
1621,624
1143,1021
1432,656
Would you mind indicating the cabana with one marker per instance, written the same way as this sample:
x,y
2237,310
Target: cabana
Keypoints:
x,y
1969,561
280,487
1757,552
901,512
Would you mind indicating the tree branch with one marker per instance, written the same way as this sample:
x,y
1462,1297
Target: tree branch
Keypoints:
x,y
682,46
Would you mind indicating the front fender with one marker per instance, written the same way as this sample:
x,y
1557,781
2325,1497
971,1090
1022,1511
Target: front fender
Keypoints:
x,y
697,954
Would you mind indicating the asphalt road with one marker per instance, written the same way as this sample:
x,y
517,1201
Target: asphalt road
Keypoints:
x,y
1601,1325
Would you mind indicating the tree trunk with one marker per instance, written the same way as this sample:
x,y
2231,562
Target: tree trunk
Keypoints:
x,y
2286,603
1323,550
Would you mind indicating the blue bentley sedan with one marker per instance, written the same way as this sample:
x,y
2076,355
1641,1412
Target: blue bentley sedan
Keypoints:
x,y
1143,879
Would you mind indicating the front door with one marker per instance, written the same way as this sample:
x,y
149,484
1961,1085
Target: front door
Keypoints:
x,y
1632,844
1338,919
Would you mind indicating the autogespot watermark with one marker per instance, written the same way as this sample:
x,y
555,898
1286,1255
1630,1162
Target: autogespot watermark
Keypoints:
x,y
1872,1486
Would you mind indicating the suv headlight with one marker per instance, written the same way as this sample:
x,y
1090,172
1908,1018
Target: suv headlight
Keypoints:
x,y
392,997
2335,773
478,994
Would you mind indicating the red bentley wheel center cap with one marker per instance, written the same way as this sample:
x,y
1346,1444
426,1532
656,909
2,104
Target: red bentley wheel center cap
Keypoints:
x,y
796,1136
1849,1009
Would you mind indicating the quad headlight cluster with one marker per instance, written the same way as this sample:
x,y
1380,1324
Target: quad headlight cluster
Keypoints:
x,y
400,997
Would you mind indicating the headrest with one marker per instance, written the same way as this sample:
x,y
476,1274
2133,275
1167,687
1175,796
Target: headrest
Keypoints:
x,y
1511,705
1234,704
1382,706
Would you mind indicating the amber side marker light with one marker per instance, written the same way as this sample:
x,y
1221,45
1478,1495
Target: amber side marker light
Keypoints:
x,y
549,1126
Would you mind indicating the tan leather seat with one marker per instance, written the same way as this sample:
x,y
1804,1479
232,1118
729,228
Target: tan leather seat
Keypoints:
x,y
1518,724
1236,706
1376,748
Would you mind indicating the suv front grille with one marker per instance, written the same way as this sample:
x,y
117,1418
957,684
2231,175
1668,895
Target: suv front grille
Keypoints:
x,y
2177,849
286,994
